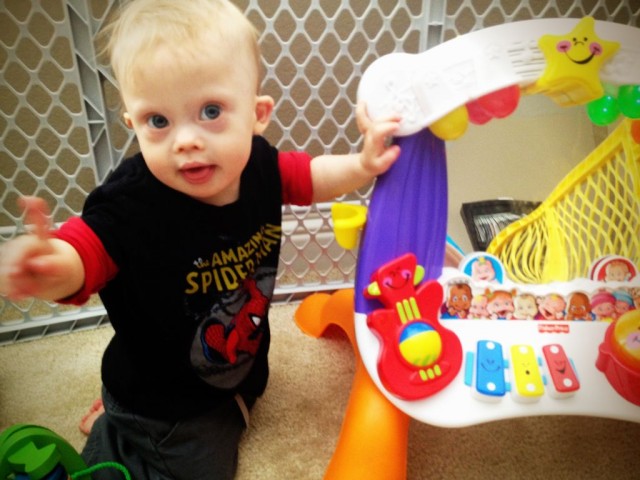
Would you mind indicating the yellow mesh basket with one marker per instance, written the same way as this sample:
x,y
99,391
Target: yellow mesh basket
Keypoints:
x,y
593,211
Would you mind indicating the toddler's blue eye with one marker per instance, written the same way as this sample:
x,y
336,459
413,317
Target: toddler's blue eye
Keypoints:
x,y
210,112
157,121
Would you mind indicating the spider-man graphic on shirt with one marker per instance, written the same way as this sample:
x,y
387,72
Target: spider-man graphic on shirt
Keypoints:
x,y
225,342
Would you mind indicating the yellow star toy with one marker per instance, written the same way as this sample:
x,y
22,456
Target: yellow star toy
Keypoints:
x,y
571,76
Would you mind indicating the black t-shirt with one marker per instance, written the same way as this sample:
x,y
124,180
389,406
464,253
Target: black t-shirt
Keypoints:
x,y
190,301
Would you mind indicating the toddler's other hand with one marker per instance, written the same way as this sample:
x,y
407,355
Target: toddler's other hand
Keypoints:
x,y
377,155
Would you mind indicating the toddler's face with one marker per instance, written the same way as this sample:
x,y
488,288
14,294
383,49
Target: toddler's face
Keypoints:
x,y
194,118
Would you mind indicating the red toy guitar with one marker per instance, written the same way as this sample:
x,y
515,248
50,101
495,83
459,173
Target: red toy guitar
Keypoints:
x,y
418,356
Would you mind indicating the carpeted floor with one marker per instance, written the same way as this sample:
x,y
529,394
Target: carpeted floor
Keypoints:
x,y
295,426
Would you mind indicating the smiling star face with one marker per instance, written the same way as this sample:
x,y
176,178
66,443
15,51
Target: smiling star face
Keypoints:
x,y
572,73
579,50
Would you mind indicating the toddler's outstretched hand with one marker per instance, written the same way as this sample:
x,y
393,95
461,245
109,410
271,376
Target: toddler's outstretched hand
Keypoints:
x,y
35,264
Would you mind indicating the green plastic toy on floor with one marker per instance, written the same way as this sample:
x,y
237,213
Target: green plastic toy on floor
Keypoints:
x,y
30,452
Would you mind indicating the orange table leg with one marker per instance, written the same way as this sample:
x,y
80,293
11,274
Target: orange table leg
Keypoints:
x,y
375,434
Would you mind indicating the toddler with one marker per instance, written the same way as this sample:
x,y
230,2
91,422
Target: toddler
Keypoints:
x,y
182,240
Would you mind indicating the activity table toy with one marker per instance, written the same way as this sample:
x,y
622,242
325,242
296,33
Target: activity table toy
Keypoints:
x,y
462,370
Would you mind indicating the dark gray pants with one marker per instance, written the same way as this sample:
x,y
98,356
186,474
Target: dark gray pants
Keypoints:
x,y
201,448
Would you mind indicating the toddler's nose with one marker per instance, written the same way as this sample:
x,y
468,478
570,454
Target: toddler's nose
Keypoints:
x,y
187,139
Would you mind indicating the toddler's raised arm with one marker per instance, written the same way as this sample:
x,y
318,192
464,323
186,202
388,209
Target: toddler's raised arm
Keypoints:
x,y
36,264
335,175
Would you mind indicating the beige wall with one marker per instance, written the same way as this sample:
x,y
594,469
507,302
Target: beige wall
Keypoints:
x,y
523,156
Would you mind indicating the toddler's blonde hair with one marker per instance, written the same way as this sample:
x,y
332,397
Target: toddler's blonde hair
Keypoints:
x,y
185,25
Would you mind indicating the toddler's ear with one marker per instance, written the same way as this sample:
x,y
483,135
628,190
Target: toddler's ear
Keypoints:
x,y
264,109
127,119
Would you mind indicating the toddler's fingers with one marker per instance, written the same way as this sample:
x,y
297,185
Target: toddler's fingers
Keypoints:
x,y
30,277
365,122
389,156
362,117
37,215
387,130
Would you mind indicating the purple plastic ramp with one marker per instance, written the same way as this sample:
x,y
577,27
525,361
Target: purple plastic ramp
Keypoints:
x,y
407,213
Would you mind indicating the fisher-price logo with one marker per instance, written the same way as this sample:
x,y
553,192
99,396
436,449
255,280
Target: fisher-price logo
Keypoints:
x,y
553,328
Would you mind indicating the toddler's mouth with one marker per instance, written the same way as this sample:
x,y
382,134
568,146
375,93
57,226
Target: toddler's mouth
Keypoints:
x,y
197,174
